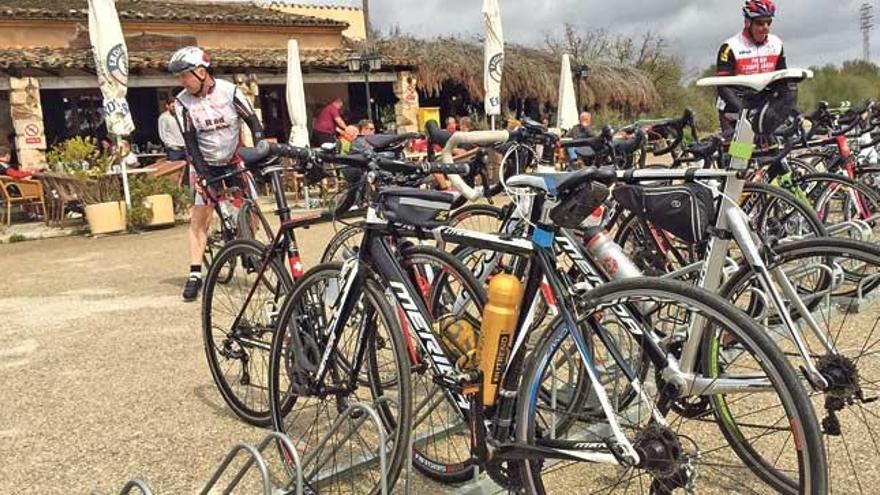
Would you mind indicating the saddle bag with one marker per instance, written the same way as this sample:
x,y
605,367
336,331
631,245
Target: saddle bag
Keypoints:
x,y
416,207
685,210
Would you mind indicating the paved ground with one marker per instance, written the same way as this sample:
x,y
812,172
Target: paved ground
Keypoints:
x,y
102,371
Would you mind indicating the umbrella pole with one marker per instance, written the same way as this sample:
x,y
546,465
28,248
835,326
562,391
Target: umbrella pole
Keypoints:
x,y
124,171
492,119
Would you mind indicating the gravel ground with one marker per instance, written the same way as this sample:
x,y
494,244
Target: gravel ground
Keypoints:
x,y
104,375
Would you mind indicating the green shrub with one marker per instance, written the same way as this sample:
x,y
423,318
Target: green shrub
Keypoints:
x,y
143,186
16,238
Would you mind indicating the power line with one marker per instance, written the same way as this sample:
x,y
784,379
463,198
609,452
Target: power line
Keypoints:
x,y
866,24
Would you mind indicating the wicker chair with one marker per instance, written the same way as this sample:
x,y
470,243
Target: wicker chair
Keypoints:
x,y
20,192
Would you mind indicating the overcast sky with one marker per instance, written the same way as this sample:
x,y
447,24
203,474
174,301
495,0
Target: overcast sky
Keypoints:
x,y
814,31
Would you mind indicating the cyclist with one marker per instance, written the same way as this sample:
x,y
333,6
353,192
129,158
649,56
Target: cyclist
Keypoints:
x,y
210,112
752,51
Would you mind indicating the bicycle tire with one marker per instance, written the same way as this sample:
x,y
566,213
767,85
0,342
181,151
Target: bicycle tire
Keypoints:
x,y
426,455
345,243
493,216
284,399
808,454
242,396
820,198
262,232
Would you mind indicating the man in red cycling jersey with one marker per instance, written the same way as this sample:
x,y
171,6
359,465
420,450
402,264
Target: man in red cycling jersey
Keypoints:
x,y
752,51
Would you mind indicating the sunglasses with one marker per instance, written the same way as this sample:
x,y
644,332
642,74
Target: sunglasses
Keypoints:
x,y
763,22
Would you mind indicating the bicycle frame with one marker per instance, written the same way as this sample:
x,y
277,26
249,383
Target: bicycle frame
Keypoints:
x,y
542,269
376,259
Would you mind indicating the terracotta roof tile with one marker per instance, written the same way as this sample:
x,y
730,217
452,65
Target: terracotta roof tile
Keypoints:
x,y
162,11
273,60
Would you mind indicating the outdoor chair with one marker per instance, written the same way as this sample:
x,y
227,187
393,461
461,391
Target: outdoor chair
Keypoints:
x,y
62,190
21,192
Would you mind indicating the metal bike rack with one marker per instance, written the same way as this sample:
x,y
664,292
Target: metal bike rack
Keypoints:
x,y
256,458
141,485
347,418
860,228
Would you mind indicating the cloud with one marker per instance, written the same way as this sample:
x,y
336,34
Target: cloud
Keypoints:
x,y
814,32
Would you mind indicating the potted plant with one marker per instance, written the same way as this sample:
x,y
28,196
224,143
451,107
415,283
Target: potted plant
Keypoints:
x,y
155,200
100,194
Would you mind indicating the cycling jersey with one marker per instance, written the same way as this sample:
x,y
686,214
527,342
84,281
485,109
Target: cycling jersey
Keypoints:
x,y
741,56
211,124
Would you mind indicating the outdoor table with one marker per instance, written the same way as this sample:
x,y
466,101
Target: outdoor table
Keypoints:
x,y
149,157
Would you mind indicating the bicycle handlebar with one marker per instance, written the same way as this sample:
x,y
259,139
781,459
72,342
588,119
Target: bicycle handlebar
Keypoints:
x,y
265,149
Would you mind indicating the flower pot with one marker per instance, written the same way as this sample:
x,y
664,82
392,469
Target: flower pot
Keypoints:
x,y
105,218
162,208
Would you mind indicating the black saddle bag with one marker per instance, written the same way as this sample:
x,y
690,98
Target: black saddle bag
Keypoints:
x,y
686,210
416,207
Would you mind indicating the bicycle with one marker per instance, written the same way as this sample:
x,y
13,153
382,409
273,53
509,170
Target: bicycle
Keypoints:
x,y
338,341
244,289
503,458
238,216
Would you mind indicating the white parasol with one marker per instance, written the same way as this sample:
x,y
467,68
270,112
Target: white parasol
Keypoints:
x,y
111,63
493,58
567,109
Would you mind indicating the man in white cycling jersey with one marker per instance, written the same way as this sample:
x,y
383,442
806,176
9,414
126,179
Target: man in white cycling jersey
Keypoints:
x,y
754,50
210,112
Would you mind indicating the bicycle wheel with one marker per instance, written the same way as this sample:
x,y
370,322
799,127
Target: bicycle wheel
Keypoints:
x,y
775,213
345,243
478,218
252,224
238,348
838,281
340,446
769,438
839,201
455,301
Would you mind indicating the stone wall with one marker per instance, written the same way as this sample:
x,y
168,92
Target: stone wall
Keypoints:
x,y
26,113
407,107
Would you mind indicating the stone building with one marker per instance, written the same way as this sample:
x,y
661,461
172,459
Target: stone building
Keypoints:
x,y
49,91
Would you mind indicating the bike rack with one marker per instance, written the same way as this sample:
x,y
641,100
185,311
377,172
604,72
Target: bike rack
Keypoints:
x,y
141,485
861,229
256,458
367,414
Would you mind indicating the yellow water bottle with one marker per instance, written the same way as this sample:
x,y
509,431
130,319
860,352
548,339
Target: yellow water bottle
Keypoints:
x,y
496,331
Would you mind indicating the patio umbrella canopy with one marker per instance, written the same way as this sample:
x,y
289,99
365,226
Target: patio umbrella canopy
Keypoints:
x,y
493,57
568,114
296,97
111,63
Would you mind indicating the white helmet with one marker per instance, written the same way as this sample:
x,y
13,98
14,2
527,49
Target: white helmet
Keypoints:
x,y
188,58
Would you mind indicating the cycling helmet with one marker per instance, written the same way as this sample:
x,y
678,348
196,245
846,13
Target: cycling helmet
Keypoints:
x,y
754,9
188,58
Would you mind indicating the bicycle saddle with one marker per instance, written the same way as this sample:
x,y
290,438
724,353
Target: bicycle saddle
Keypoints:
x,y
436,135
758,82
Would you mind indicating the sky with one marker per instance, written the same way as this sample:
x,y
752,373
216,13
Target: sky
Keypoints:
x,y
814,32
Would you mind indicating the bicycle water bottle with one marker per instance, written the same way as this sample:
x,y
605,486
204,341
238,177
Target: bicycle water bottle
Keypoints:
x,y
609,255
496,331
613,261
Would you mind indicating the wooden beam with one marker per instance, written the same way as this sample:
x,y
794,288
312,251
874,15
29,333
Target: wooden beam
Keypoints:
x,y
162,81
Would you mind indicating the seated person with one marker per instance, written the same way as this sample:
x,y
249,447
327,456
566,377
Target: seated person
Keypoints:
x,y
347,138
124,155
365,128
7,169
583,130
